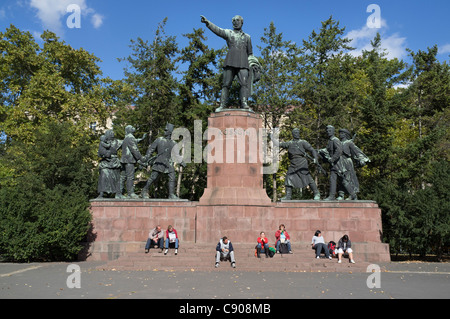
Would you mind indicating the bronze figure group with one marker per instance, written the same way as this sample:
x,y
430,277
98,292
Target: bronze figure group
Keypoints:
x,y
115,173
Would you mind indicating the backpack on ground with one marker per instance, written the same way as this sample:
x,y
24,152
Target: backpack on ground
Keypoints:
x,y
272,252
284,249
332,248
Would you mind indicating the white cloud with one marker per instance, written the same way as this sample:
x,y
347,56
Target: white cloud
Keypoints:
x,y
97,20
52,13
444,49
2,13
394,45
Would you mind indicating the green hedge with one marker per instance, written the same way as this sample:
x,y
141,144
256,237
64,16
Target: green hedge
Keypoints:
x,y
46,225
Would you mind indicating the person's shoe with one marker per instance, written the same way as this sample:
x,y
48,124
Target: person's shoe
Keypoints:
x,y
146,251
216,265
160,250
339,261
133,196
165,251
233,264
330,258
317,196
290,251
352,261
317,257
331,197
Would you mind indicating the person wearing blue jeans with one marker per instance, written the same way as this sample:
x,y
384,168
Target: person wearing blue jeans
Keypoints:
x,y
318,243
155,237
263,245
171,237
282,236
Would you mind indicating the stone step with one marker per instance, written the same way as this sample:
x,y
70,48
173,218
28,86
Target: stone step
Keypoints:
x,y
241,266
202,258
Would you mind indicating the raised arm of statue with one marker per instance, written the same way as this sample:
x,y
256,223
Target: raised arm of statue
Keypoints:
x,y
215,29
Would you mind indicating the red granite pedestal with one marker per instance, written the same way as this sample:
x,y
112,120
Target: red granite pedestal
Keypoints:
x,y
234,204
234,158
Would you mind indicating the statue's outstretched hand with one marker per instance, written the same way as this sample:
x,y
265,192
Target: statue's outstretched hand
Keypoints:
x,y
204,20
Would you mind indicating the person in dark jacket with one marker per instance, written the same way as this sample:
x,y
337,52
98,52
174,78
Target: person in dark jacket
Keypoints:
x,y
344,246
224,250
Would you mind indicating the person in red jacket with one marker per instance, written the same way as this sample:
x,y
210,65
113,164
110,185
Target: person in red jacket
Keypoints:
x,y
263,245
171,237
282,237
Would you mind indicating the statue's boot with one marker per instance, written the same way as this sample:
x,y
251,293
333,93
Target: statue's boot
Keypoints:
x,y
172,191
315,190
288,194
144,193
223,99
243,96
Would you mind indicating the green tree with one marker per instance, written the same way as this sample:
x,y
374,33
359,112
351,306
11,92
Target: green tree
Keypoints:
x,y
321,84
44,214
50,83
380,109
421,157
150,74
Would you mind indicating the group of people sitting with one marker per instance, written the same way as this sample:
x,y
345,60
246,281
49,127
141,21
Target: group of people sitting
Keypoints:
x,y
344,246
156,239
225,250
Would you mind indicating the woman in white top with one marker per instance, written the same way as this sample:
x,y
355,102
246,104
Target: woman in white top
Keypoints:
x,y
318,243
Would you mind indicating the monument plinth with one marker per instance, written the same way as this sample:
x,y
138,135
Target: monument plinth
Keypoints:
x,y
234,204
234,156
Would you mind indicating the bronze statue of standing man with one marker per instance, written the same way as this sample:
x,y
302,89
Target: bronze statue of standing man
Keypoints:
x,y
236,62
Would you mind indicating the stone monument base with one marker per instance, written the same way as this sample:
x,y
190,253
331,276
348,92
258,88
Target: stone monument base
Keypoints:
x,y
122,226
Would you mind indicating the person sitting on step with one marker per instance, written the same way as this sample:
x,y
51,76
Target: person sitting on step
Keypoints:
x,y
318,244
263,245
171,238
155,238
224,251
282,237
344,246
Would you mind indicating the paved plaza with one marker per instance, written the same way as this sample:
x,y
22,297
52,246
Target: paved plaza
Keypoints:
x,y
398,280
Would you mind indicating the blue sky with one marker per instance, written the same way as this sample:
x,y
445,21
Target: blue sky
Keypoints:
x,y
107,26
